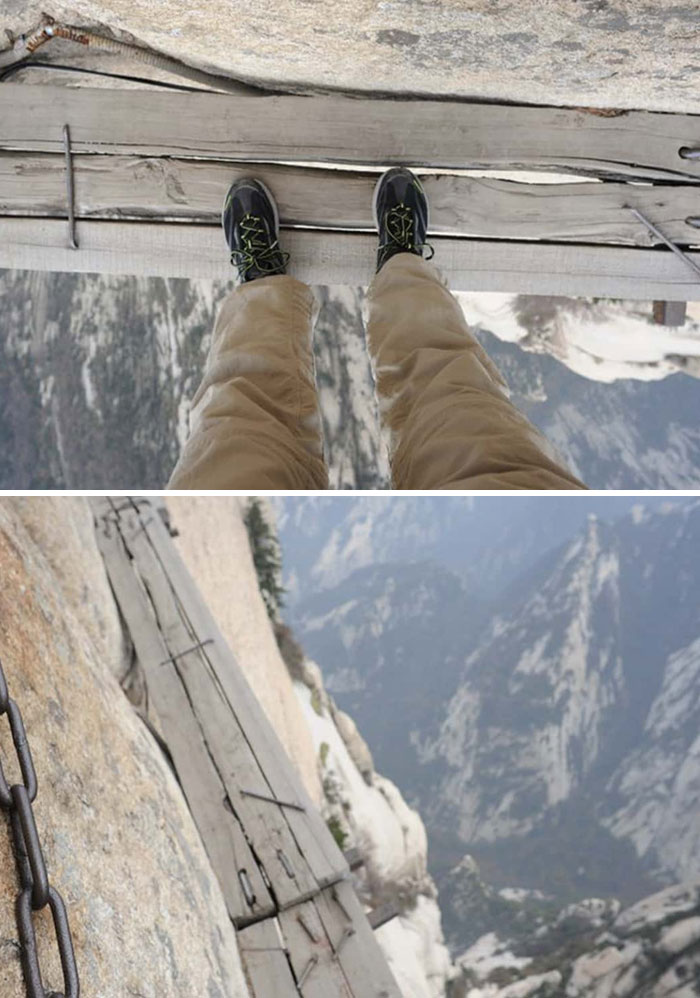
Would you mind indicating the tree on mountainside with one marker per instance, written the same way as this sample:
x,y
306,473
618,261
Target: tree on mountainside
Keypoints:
x,y
265,548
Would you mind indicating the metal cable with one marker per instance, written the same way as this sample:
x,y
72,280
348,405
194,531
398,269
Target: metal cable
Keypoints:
x,y
36,64
47,29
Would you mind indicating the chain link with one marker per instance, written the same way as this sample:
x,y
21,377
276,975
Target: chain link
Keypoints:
x,y
36,891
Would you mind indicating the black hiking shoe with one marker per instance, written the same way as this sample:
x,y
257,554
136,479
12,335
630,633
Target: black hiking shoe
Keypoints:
x,y
251,225
400,214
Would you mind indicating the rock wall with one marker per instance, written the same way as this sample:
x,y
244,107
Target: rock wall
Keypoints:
x,y
603,53
366,810
147,915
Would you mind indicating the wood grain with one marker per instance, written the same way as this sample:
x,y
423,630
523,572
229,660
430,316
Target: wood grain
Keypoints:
x,y
221,834
160,249
233,754
333,129
130,187
313,839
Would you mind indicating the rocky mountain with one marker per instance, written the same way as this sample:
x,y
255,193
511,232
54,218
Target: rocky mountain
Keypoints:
x,y
487,542
550,729
591,949
98,372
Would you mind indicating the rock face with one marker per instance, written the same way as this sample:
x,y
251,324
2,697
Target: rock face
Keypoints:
x,y
551,728
605,53
367,811
587,950
147,915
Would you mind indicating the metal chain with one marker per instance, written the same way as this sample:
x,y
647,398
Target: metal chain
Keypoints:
x,y
36,891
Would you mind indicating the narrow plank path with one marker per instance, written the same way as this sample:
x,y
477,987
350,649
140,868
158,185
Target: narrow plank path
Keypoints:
x,y
286,884
153,189
638,144
150,169
161,249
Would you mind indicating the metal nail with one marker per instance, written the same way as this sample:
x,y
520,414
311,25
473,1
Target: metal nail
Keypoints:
x,y
307,970
288,868
200,644
70,187
246,887
664,239
273,800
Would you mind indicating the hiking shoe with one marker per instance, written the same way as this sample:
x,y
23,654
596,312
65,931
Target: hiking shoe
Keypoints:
x,y
400,214
251,225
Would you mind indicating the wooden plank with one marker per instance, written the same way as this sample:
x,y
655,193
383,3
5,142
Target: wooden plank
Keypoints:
x,y
265,963
310,831
161,249
222,837
360,956
669,313
346,130
34,184
233,754
312,954
383,914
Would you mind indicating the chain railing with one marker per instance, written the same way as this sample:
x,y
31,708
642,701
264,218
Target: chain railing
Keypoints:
x,y
36,892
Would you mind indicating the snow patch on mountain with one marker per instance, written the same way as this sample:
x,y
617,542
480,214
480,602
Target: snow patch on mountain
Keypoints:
x,y
601,340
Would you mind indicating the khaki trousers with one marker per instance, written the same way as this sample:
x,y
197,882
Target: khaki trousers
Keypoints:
x,y
255,417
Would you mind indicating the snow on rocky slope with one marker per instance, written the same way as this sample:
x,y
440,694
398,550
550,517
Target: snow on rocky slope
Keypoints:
x,y
367,811
651,950
98,373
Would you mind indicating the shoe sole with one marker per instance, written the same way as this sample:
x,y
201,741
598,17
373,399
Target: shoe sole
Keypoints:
x,y
271,198
375,198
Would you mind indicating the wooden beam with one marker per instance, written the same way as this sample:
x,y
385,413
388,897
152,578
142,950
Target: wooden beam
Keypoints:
x,y
265,962
201,784
34,184
333,129
161,249
233,751
669,313
313,839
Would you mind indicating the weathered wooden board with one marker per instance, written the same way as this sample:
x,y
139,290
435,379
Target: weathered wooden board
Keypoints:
x,y
233,755
346,130
265,962
162,249
34,184
312,836
358,953
221,833
312,955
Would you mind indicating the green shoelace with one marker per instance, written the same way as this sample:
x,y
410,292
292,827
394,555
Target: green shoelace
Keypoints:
x,y
257,252
399,226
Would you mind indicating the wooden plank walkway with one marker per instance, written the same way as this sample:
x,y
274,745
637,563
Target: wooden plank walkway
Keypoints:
x,y
147,188
284,880
160,249
638,144
144,160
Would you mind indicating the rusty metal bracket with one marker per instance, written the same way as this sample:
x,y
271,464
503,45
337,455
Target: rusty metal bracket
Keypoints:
x,y
273,800
70,187
180,654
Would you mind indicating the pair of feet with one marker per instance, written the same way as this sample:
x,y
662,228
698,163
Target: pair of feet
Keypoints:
x,y
251,223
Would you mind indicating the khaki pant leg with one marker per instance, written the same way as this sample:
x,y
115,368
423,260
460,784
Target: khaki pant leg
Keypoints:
x,y
442,401
255,421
